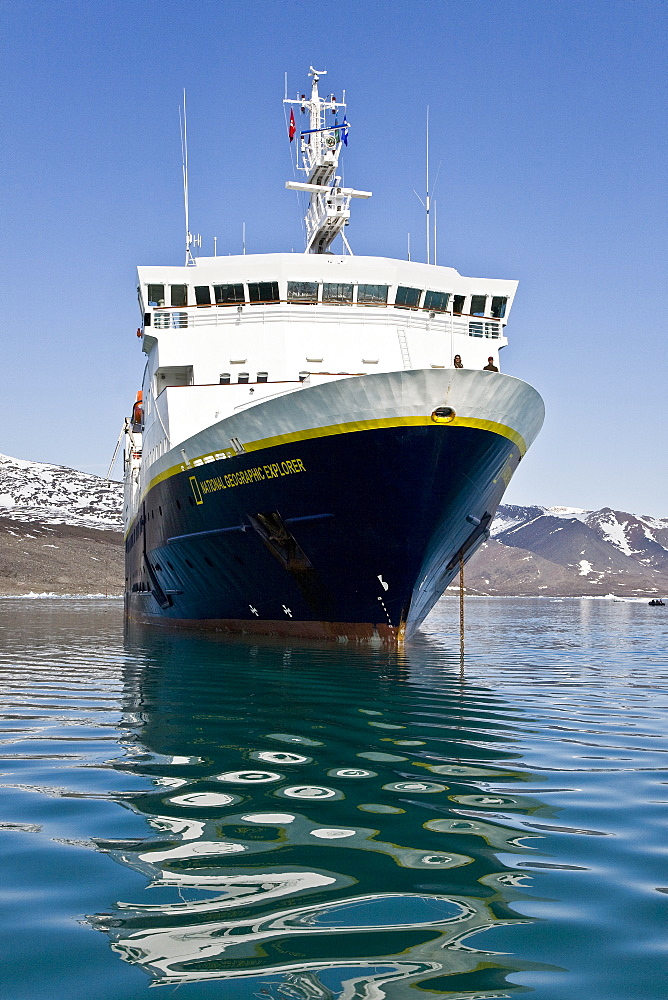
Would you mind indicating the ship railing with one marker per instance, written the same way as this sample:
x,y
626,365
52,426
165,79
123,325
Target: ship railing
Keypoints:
x,y
476,328
223,315
171,320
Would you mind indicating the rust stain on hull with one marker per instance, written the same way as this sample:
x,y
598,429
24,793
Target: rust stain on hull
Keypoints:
x,y
334,631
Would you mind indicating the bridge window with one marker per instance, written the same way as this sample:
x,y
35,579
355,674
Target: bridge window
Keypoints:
x,y
225,378
409,298
263,376
478,303
303,291
458,304
179,295
227,295
156,295
337,293
499,303
263,291
243,378
372,294
202,295
436,301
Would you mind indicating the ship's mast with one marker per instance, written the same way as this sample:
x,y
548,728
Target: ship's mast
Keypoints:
x,y
320,147
190,239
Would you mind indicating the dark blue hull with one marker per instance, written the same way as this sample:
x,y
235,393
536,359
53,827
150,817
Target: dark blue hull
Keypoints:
x,y
353,535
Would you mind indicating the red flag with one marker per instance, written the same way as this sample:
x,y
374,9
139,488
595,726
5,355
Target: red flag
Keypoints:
x,y
293,128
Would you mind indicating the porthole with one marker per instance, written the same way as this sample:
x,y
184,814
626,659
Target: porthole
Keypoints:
x,y
443,415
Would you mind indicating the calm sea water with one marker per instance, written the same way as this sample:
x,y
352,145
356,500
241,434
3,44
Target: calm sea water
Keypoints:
x,y
237,819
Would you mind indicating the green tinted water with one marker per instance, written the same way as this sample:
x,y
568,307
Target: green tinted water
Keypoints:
x,y
242,819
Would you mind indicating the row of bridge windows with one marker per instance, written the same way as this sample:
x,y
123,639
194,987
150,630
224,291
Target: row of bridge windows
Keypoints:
x,y
312,292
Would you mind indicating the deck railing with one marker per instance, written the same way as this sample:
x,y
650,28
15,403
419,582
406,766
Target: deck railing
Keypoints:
x,y
180,319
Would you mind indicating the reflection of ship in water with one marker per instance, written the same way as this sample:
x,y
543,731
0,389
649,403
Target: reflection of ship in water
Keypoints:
x,y
254,855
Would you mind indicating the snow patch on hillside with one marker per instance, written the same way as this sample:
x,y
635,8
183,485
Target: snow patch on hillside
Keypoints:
x,y
613,530
54,494
504,522
569,513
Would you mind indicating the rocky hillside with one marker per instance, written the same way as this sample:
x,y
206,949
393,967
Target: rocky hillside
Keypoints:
x,y
564,551
41,558
61,532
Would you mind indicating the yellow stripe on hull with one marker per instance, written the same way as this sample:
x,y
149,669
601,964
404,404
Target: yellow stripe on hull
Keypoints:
x,y
352,427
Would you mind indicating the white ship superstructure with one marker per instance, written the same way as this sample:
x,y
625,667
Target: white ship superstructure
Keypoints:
x,y
247,328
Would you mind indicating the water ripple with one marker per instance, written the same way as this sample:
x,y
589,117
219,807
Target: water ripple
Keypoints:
x,y
203,800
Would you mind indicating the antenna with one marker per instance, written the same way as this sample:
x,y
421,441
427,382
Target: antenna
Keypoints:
x,y
426,204
215,246
409,246
243,237
190,239
427,186
433,191
184,168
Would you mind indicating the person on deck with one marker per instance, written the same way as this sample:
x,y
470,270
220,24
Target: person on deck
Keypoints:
x,y
490,366
458,361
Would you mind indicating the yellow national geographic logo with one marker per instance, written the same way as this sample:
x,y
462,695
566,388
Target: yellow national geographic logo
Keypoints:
x,y
290,467
196,490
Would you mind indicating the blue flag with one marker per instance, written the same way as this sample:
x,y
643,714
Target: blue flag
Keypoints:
x,y
345,131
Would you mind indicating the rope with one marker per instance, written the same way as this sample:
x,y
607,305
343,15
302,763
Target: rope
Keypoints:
x,y
461,609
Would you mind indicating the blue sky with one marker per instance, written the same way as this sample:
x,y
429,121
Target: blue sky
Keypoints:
x,y
548,119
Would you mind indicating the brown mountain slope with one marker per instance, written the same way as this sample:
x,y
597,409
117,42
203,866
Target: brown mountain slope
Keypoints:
x,y
504,570
59,559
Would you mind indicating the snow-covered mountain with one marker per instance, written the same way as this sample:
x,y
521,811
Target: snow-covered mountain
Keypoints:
x,y
533,550
53,494
603,534
569,550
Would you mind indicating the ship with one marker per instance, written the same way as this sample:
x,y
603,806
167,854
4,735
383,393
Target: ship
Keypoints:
x,y
321,439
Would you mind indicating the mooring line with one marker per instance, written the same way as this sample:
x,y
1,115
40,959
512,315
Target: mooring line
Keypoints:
x,y
461,611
